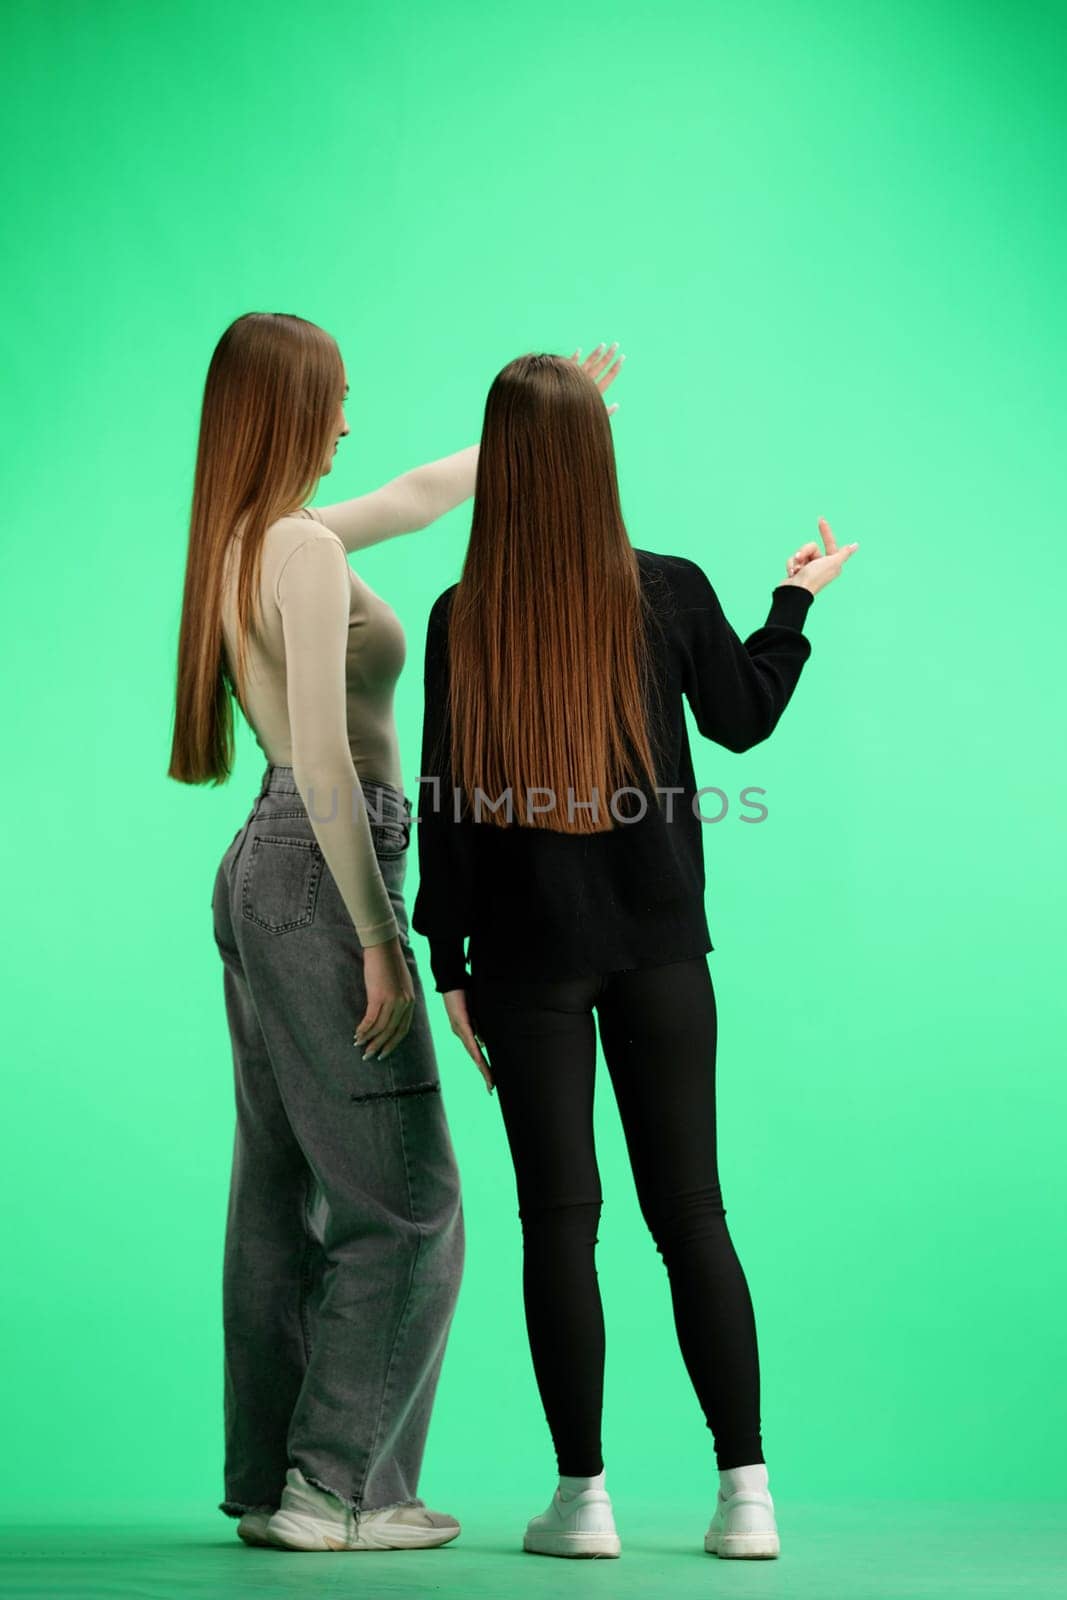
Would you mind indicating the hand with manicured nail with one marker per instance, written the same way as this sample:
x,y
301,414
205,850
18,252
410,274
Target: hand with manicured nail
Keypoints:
x,y
812,568
466,1030
600,361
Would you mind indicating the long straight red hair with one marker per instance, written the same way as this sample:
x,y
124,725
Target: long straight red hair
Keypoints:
x,y
271,398
548,634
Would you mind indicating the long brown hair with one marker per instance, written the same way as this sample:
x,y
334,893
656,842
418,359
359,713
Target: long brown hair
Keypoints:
x,y
271,398
547,635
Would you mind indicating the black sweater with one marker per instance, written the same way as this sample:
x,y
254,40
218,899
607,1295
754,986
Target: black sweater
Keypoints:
x,y
539,903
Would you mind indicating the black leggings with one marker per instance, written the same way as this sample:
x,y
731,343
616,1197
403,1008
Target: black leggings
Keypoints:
x,y
658,1036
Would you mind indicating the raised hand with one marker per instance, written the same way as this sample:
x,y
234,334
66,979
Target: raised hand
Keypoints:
x,y
597,362
812,568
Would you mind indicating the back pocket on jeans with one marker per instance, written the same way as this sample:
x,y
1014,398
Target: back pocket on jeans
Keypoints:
x,y
281,883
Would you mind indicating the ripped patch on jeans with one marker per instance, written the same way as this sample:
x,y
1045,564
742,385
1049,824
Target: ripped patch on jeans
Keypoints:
x,y
433,1087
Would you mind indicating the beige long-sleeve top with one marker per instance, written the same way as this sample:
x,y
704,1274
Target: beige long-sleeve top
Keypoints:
x,y
322,670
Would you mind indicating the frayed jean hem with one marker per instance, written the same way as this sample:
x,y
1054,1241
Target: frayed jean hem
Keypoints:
x,y
237,1508
356,1506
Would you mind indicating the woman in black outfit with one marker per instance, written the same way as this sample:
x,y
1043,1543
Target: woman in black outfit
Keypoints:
x,y
559,828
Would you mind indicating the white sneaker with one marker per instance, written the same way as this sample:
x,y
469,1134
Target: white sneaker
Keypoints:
x,y
743,1525
252,1527
581,1526
310,1518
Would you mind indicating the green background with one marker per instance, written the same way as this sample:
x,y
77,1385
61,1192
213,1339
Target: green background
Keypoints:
x,y
830,239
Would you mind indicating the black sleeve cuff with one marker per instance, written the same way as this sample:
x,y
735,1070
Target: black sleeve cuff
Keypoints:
x,y
790,605
448,963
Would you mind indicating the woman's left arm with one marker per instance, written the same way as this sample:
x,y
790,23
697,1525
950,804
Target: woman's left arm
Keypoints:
x,y
412,501
442,910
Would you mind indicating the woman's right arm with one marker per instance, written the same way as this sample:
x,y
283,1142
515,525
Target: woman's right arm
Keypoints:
x,y
404,504
738,689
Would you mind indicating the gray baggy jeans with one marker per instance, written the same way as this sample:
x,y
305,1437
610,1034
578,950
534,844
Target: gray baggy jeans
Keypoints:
x,y
344,1238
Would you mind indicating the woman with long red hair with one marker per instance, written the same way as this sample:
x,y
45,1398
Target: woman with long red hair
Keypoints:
x,y
344,1237
560,832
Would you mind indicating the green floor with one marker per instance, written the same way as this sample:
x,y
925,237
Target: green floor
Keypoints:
x,y
856,1551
